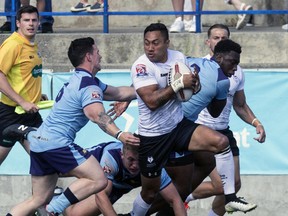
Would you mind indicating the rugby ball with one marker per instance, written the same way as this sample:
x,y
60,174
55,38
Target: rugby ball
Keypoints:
x,y
176,71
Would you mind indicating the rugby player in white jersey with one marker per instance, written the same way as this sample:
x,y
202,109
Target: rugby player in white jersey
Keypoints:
x,y
237,100
162,127
213,94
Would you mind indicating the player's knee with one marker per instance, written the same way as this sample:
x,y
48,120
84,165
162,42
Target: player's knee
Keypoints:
x,y
149,195
101,184
222,143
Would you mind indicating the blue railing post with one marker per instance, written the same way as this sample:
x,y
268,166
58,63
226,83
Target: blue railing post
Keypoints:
x,y
13,17
198,16
106,17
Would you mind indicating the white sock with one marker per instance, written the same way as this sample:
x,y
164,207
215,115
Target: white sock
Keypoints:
x,y
189,198
225,168
140,207
212,213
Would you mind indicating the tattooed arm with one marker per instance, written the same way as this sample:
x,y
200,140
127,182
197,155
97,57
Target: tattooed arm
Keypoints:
x,y
96,113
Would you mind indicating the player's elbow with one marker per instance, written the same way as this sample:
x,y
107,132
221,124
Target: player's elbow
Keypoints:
x,y
152,105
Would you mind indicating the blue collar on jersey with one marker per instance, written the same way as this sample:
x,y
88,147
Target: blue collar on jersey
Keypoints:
x,y
213,59
77,70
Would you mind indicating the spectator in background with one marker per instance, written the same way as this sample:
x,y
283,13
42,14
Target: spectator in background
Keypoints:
x,y
84,5
243,19
285,26
6,27
42,5
179,25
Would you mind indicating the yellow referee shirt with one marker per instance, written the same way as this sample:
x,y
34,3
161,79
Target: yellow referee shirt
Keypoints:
x,y
22,65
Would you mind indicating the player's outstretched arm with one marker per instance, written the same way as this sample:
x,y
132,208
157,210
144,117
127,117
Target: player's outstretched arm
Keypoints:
x,y
96,113
246,114
122,93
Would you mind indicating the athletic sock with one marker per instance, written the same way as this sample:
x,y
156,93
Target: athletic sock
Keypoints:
x,y
225,168
189,198
212,213
140,207
62,202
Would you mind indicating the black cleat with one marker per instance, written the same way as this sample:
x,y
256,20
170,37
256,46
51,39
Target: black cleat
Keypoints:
x,y
16,132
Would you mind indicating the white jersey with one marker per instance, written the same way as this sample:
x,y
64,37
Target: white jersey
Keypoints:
x,y
145,73
220,123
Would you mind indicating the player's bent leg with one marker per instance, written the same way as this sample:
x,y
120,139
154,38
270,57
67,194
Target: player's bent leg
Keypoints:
x,y
182,177
143,201
204,163
209,188
150,188
237,173
171,195
207,139
91,179
87,207
43,188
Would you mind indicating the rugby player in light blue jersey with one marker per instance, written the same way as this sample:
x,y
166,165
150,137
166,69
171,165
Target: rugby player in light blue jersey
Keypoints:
x,y
120,165
215,84
52,147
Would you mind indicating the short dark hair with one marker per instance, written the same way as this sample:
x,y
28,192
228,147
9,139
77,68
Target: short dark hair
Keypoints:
x,y
158,27
26,9
78,49
219,26
227,45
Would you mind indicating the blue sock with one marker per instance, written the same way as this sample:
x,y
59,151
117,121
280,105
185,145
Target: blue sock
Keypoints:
x,y
62,202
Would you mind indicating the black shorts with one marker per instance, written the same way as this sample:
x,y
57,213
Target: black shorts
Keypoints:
x,y
232,141
155,151
183,159
9,117
187,157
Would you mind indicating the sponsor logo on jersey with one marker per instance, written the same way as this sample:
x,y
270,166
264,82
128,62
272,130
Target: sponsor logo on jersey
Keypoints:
x,y
107,169
37,71
141,70
95,95
150,159
195,68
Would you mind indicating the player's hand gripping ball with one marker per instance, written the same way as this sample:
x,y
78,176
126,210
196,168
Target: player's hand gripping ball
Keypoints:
x,y
176,81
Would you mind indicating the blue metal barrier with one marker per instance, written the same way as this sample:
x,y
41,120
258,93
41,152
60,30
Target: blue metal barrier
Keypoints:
x,y
107,13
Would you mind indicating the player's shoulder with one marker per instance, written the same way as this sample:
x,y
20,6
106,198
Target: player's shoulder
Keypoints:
x,y
176,55
141,64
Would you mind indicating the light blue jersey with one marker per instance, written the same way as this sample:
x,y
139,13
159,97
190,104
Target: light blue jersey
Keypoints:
x,y
110,159
67,117
214,84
